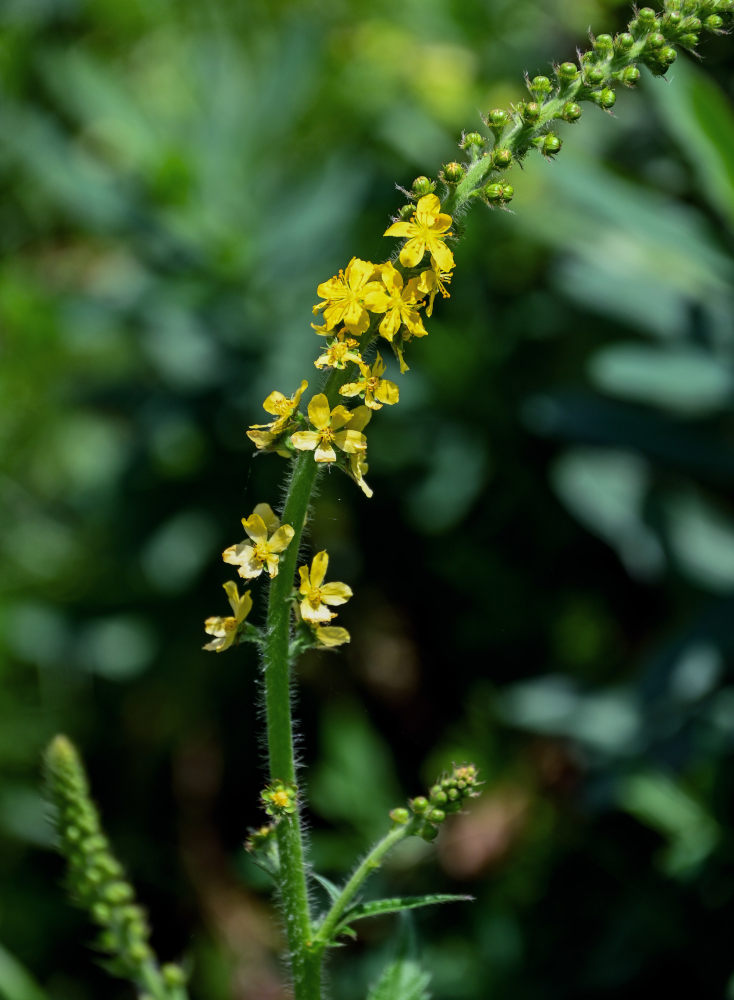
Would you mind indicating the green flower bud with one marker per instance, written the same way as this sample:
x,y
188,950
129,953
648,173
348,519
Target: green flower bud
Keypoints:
x,y
437,796
571,112
568,72
603,44
139,952
400,816
624,42
605,98
673,5
453,794
173,975
647,17
436,816
497,119
406,211
498,194
550,144
714,23
630,76
428,832
689,41
667,56
452,173
472,139
530,112
673,19
654,41
419,805
118,892
692,24
423,185
501,158
540,86
594,75
101,913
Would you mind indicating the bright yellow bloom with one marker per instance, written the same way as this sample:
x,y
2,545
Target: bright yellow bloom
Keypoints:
x,y
225,629
330,430
426,231
361,416
376,390
282,408
430,282
339,353
270,538
344,296
397,302
331,635
316,595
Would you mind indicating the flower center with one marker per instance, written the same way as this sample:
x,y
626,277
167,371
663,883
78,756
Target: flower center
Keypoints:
x,y
314,597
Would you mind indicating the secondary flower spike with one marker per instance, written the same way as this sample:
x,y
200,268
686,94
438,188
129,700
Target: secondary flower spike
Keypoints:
x,y
317,596
330,430
269,539
426,231
225,629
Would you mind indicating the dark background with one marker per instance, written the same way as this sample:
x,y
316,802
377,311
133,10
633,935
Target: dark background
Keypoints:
x,y
544,580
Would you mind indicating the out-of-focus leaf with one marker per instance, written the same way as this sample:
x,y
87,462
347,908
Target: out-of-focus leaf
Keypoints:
x,y
15,982
702,540
401,980
685,380
699,114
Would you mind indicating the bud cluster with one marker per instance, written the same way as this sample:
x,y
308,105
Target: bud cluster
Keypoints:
x,y
446,796
95,877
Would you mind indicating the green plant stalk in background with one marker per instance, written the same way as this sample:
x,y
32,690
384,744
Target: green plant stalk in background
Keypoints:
x,y
652,40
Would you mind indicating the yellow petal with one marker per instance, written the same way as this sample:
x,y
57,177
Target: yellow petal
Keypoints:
x,y
319,566
428,207
233,596
274,402
393,279
315,613
350,441
335,593
379,366
324,453
390,324
281,539
442,255
387,392
331,635
331,289
319,411
412,253
271,519
299,392
305,581
351,389
340,416
377,300
261,439
255,527
358,273
235,555
400,229
245,607
361,416
305,440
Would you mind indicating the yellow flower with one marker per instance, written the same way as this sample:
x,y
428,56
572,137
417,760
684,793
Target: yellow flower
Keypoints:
x,y
344,297
375,390
361,416
431,282
253,559
225,629
330,430
426,231
339,353
317,595
331,635
397,302
282,408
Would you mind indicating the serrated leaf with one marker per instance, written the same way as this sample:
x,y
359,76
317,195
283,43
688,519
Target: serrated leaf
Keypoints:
x,y
378,907
333,890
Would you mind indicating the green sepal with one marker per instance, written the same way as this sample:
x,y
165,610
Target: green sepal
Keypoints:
x,y
378,907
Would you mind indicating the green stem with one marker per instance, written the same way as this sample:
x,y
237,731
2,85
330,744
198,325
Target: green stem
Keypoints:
x,y
371,861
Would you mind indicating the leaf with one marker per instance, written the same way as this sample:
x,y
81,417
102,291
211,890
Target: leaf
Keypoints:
x,y
378,907
15,982
401,980
333,890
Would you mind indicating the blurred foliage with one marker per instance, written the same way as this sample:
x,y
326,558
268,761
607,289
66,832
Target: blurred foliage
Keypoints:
x,y
545,577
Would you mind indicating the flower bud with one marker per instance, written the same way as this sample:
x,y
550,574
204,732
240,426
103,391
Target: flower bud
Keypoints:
x,y
406,211
714,23
688,41
568,72
667,56
654,41
423,185
594,75
673,19
498,194
452,172
101,913
647,17
438,796
603,44
691,24
173,975
497,119
400,816
630,76
428,832
605,98
530,112
436,816
571,112
118,892
419,805
540,86
624,41
501,158
472,139
550,144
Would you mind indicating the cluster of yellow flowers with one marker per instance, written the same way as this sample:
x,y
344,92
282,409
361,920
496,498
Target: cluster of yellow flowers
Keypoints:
x,y
266,539
362,302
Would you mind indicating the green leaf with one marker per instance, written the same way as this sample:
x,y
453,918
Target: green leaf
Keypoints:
x,y
15,982
333,890
378,907
401,980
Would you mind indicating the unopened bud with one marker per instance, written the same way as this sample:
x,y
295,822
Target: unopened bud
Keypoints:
x,y
603,44
530,112
630,76
497,119
714,23
568,72
452,173
550,144
400,816
501,158
540,86
571,112
498,194
624,41
605,98
472,139
423,185
419,805
594,75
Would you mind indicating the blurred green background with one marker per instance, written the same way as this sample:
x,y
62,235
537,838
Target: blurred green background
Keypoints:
x,y
544,579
